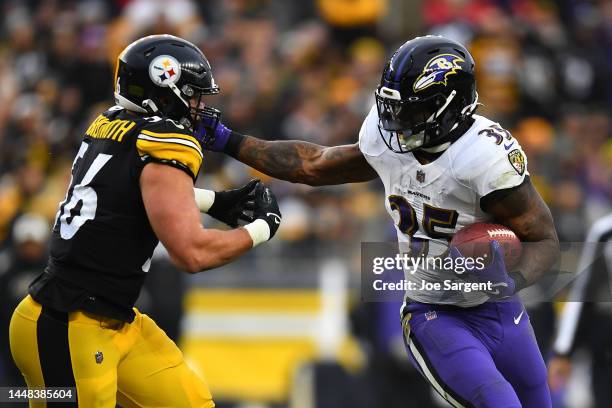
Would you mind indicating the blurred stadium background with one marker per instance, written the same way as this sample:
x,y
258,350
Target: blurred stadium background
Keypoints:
x,y
285,325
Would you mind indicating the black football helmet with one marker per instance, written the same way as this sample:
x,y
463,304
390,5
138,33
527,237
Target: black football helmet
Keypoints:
x,y
427,89
163,73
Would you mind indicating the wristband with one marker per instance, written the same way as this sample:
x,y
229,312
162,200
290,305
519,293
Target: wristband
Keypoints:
x,y
259,230
233,144
204,199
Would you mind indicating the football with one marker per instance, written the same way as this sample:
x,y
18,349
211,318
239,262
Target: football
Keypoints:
x,y
474,241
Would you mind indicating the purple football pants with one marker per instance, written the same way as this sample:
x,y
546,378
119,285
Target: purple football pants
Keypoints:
x,y
484,356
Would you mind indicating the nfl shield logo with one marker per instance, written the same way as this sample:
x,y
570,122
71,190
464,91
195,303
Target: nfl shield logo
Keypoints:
x,y
430,315
420,176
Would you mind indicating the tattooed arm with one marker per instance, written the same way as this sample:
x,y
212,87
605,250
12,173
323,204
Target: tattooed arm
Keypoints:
x,y
303,162
523,211
293,160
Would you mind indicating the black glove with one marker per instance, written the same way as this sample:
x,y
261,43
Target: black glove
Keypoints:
x,y
231,206
266,208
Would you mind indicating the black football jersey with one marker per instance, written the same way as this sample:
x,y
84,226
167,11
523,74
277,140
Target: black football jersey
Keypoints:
x,y
102,241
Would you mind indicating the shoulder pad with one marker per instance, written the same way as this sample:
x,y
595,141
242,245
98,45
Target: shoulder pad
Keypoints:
x,y
370,141
164,125
489,158
113,111
165,140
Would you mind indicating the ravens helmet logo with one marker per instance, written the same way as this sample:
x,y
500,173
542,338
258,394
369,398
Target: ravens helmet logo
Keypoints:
x,y
437,70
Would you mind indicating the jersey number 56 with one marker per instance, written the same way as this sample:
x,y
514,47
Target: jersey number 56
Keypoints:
x,y
81,200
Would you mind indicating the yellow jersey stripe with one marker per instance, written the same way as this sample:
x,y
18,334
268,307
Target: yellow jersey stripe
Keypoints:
x,y
171,135
174,140
171,151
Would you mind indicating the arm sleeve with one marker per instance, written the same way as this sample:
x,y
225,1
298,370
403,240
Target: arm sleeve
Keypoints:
x,y
177,149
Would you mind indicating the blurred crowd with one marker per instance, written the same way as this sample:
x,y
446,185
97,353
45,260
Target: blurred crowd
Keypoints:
x,y
305,70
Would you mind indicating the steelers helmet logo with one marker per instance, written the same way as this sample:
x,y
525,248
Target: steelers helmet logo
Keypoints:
x,y
164,70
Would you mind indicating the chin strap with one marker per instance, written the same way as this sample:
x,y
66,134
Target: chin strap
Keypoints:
x,y
471,108
149,106
176,91
441,147
437,113
449,99
466,113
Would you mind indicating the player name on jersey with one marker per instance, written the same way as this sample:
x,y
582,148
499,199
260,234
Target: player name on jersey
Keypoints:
x,y
104,128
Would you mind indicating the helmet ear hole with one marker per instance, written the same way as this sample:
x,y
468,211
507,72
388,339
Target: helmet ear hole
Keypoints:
x,y
187,90
150,106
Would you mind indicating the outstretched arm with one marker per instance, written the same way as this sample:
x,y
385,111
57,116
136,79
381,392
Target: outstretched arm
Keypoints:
x,y
293,160
523,211
303,162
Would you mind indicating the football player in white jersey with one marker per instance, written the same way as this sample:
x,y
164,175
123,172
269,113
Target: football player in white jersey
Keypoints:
x,y
443,168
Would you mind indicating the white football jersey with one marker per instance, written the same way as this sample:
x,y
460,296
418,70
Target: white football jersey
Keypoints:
x,y
430,202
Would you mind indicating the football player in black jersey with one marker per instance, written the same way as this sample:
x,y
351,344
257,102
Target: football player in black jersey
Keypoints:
x,y
132,185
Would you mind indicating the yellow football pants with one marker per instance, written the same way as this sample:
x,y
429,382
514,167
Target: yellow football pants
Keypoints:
x,y
133,365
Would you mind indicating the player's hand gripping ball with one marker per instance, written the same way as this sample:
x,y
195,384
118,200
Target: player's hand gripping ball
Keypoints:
x,y
475,241
486,241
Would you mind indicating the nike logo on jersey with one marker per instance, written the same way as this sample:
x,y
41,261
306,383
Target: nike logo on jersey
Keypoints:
x,y
507,147
517,319
277,218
